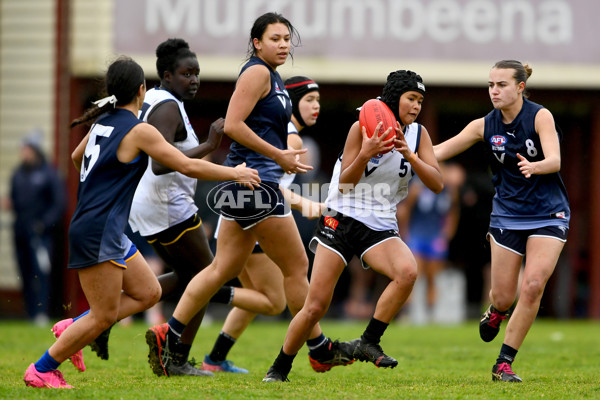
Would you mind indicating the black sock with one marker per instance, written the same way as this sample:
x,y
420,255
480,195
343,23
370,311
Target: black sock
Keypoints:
x,y
507,354
182,352
283,362
179,351
223,344
374,331
318,346
224,295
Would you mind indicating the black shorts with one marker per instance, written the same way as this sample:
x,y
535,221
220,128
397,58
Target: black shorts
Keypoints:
x,y
172,234
249,207
516,240
346,236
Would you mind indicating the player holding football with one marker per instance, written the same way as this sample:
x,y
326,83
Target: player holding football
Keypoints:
x,y
530,210
369,180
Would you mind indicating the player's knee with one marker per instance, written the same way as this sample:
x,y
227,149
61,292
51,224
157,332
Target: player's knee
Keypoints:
x,y
277,306
406,273
104,320
532,289
315,311
274,310
153,296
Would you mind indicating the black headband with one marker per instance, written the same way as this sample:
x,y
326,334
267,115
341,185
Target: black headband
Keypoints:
x,y
297,87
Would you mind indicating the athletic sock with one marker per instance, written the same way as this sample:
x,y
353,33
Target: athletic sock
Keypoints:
x,y
46,363
283,362
507,354
179,351
182,352
315,345
374,331
223,344
82,315
224,295
175,327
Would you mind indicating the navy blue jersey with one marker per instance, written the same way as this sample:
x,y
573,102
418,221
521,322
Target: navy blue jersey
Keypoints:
x,y
269,120
105,193
519,202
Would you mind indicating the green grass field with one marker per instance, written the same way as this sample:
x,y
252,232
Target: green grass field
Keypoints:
x,y
559,360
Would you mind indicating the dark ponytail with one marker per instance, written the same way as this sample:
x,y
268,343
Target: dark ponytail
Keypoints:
x,y
123,80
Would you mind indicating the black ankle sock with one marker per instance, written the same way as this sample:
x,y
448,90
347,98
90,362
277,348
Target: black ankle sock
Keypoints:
x,y
318,346
179,351
224,295
176,326
507,354
374,331
172,339
283,362
223,344
183,351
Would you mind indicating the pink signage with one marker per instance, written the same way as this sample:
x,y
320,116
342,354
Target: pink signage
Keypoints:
x,y
557,31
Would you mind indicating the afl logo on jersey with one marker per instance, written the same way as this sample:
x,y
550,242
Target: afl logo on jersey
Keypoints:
x,y
498,140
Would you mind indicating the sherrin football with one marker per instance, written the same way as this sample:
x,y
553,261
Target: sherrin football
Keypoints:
x,y
373,112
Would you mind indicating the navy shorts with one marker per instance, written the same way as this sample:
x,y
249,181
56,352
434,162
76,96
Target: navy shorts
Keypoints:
x,y
516,240
122,262
249,207
82,257
346,236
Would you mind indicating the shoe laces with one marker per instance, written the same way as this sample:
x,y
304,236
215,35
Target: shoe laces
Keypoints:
x,y
334,345
284,378
505,368
495,319
59,376
166,356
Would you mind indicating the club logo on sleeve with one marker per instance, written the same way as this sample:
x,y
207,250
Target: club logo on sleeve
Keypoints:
x,y
331,222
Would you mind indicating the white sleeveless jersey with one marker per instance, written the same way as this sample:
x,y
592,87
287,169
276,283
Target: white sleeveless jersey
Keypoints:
x,y
287,179
162,201
383,185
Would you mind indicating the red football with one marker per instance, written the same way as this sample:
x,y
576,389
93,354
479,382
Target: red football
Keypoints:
x,y
373,112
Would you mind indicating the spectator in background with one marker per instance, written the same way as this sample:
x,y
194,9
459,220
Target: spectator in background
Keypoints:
x,y
430,222
37,198
469,248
